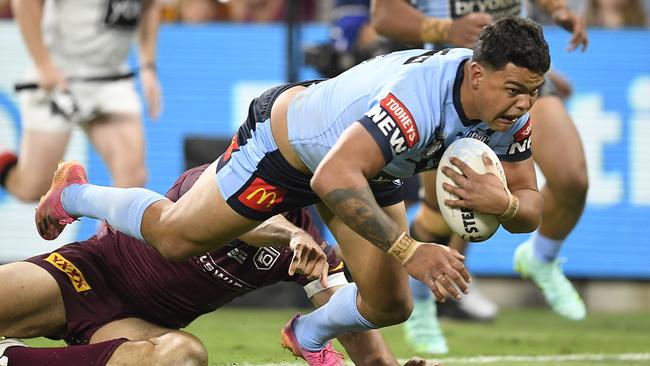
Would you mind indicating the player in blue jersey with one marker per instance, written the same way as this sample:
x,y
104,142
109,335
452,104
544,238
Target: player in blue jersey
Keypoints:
x,y
344,143
558,152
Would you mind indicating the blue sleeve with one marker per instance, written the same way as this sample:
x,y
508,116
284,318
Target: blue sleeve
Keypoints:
x,y
393,126
379,137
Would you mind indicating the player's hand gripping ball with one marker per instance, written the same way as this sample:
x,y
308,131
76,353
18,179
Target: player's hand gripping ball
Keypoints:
x,y
471,225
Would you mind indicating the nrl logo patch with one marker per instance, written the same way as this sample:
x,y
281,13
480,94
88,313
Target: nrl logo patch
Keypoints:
x,y
265,258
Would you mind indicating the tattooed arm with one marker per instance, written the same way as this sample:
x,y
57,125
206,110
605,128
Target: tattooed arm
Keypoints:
x,y
341,181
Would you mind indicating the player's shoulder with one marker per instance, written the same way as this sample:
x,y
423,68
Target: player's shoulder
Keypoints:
x,y
435,67
447,56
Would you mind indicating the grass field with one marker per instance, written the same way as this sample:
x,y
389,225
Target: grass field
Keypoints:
x,y
517,337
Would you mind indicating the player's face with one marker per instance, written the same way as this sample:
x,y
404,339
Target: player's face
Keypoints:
x,y
505,95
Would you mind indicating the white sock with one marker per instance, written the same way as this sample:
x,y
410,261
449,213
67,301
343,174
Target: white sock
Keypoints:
x,y
339,315
122,208
545,249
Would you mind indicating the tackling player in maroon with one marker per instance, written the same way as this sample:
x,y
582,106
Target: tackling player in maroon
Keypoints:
x,y
120,302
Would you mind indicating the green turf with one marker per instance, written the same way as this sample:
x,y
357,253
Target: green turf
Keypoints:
x,y
251,336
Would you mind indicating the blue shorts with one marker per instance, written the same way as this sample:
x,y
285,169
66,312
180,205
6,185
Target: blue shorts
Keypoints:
x,y
256,180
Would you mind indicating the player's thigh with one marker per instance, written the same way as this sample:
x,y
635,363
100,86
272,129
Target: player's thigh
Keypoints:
x,y
119,139
40,153
134,329
151,344
30,302
557,148
381,280
202,216
428,190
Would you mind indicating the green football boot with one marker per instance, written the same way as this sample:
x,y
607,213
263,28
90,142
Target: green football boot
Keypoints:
x,y
558,291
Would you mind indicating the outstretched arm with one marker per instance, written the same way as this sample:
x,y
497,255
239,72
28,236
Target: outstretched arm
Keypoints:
x,y
398,20
308,256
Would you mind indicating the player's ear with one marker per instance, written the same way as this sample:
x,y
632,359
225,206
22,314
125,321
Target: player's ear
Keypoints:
x,y
476,74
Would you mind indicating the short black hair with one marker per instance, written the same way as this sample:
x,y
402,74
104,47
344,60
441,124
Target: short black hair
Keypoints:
x,y
513,39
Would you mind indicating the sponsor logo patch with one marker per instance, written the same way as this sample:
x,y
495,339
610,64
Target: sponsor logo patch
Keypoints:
x,y
523,139
262,196
395,122
524,132
403,117
497,8
76,277
209,265
234,146
265,258
481,135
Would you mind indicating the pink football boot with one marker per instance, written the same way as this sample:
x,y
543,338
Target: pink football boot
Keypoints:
x,y
51,218
325,357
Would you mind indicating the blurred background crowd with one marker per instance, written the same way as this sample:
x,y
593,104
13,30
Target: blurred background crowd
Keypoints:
x,y
599,13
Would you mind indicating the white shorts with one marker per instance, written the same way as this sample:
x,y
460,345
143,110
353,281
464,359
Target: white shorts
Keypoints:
x,y
93,98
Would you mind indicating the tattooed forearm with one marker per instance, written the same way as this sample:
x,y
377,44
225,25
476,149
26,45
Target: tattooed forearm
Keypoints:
x,y
359,210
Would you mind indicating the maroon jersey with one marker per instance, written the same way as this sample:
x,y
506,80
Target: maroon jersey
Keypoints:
x,y
120,276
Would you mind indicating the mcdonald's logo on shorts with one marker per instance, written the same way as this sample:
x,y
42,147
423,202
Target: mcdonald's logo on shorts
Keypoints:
x,y
261,196
76,277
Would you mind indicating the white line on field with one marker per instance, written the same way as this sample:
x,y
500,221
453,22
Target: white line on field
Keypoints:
x,y
550,358
516,359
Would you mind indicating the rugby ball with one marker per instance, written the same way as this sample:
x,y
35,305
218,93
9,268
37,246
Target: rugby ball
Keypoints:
x,y
471,225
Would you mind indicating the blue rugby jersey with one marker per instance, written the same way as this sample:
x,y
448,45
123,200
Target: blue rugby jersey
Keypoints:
x,y
409,101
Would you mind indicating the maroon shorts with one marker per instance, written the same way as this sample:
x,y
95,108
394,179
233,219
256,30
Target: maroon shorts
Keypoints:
x,y
90,301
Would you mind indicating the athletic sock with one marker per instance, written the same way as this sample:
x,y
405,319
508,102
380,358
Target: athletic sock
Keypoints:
x,y
339,315
85,355
545,249
122,208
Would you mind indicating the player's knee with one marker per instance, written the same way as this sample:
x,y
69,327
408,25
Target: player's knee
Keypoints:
x,y
131,175
399,314
30,190
28,195
138,177
392,312
572,188
176,348
174,248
